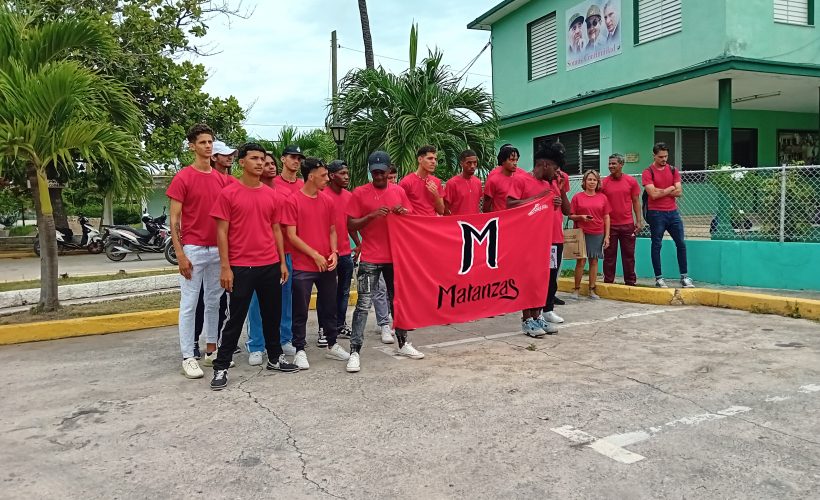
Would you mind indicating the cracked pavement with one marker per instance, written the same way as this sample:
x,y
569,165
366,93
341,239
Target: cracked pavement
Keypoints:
x,y
112,417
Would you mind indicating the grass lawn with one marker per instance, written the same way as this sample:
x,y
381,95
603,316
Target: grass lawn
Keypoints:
x,y
77,280
133,304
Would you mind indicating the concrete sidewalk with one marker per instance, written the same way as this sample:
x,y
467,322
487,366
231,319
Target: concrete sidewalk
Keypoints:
x,y
626,401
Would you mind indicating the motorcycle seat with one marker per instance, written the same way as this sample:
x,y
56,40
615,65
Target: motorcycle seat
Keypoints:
x,y
141,233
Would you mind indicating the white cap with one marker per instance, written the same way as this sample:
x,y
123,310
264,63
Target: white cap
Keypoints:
x,y
220,148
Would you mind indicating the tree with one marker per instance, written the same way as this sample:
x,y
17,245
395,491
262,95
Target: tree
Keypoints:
x,y
56,111
400,113
315,142
152,36
366,37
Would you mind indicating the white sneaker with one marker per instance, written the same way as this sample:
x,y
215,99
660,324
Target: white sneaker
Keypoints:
x,y
660,283
209,359
288,349
531,328
546,326
191,369
256,358
387,334
551,317
686,282
338,353
409,351
300,360
353,363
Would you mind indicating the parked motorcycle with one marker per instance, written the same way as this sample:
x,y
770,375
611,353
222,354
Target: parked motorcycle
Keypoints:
x,y
90,239
156,238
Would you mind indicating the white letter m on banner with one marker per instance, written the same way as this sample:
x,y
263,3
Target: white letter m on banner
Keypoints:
x,y
470,237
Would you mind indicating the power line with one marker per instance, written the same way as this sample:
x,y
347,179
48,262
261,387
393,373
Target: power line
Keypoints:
x,y
408,62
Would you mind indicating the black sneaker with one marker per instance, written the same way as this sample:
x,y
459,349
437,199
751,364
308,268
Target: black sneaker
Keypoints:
x,y
559,302
344,332
322,340
220,380
197,354
282,365
238,350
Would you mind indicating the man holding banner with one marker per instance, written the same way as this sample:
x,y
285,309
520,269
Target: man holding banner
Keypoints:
x,y
543,181
367,212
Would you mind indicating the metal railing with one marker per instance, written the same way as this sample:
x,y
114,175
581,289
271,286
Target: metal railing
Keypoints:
x,y
764,204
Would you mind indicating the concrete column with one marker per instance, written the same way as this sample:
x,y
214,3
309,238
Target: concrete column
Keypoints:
x,y
725,120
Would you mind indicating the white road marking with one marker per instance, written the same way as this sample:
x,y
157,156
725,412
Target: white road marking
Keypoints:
x,y
471,340
613,446
390,351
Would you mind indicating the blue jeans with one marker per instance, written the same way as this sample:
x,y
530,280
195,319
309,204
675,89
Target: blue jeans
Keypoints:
x,y
659,223
286,324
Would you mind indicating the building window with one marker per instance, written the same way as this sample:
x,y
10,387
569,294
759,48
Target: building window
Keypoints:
x,y
542,42
793,11
583,148
697,148
656,19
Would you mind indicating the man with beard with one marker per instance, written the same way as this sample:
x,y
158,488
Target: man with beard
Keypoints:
x,y
462,194
575,37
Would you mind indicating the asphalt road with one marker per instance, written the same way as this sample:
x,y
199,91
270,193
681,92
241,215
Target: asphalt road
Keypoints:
x,y
626,401
29,268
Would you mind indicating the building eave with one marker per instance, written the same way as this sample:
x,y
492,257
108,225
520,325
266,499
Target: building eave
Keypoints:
x,y
486,20
703,69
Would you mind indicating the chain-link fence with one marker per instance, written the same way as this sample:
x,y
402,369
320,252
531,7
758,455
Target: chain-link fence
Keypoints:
x,y
763,204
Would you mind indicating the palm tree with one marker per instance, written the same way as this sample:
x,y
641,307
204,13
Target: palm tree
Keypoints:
x,y
315,142
400,113
368,39
55,112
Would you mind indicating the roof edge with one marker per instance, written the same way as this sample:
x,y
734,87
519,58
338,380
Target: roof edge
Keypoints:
x,y
485,20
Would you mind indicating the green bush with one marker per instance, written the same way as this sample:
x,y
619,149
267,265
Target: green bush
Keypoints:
x,y
22,230
126,214
801,201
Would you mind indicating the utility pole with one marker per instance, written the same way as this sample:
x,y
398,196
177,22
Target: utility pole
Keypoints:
x,y
334,69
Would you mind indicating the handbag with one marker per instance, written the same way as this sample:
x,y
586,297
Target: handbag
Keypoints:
x,y
575,244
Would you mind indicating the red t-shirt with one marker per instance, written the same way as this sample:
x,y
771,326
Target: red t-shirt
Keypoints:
x,y
463,195
497,186
375,240
526,186
663,178
313,218
197,191
251,213
596,205
620,192
340,202
286,189
420,197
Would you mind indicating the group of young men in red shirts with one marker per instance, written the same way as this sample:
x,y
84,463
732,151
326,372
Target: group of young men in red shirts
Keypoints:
x,y
266,240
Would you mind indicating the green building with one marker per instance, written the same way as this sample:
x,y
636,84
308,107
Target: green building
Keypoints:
x,y
719,81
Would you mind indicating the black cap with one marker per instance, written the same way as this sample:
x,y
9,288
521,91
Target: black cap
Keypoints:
x,y
293,149
378,160
336,165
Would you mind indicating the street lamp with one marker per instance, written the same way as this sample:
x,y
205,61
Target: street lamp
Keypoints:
x,y
339,132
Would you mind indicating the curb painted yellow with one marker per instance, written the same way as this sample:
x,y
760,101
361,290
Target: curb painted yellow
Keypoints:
x,y
794,307
17,255
100,325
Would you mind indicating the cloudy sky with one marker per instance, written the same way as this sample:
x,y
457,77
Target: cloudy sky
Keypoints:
x,y
278,61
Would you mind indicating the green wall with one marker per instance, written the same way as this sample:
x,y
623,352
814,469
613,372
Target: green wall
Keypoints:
x,y
631,129
637,126
755,264
711,29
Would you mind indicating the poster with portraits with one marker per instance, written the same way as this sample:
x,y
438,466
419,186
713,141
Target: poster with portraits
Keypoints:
x,y
593,32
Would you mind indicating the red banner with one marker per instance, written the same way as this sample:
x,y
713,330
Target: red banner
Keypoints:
x,y
460,268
